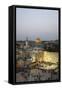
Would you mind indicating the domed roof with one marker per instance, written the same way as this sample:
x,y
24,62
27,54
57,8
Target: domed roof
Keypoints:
x,y
38,40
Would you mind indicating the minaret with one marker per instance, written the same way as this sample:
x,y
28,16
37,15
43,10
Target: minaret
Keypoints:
x,y
26,41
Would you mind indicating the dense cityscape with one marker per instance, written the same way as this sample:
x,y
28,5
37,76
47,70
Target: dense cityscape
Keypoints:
x,y
37,45
37,60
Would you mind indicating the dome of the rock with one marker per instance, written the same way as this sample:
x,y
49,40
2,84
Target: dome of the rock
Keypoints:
x,y
38,40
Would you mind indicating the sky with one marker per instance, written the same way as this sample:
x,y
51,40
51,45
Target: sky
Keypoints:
x,y
33,23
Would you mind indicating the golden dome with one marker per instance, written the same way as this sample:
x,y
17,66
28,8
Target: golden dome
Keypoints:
x,y
38,41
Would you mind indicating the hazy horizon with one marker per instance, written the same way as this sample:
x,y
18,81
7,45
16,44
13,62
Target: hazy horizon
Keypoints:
x,y
33,23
